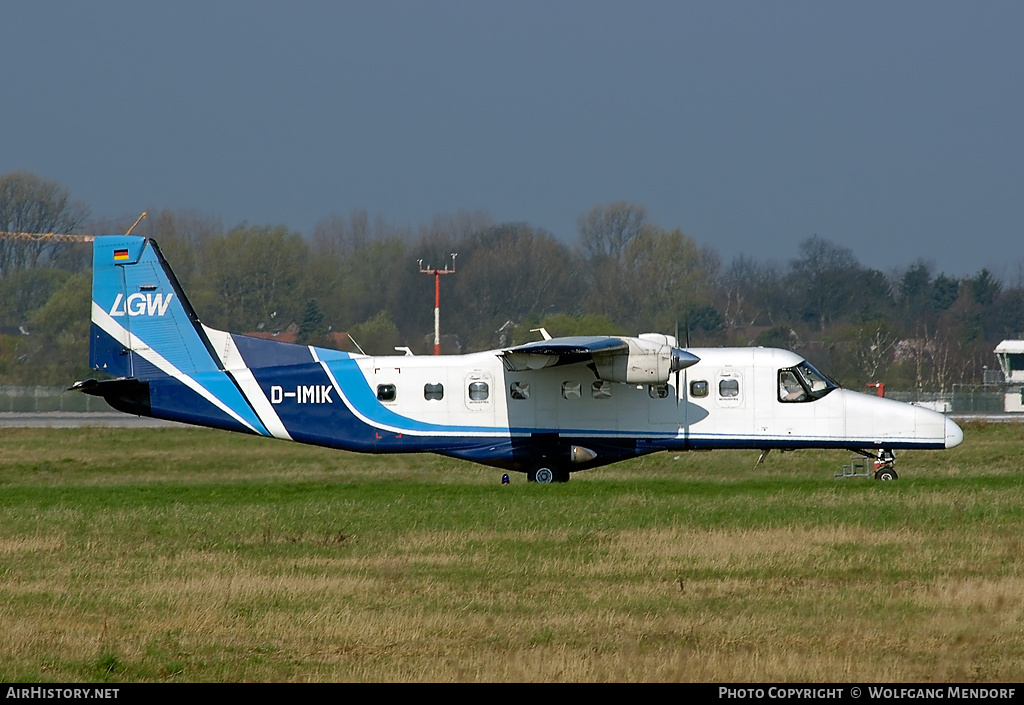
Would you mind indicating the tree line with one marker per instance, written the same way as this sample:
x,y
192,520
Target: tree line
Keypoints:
x,y
355,280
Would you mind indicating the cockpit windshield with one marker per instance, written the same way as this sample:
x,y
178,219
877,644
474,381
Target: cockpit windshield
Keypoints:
x,y
803,383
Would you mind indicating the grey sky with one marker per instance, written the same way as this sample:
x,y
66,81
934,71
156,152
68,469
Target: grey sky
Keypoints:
x,y
892,128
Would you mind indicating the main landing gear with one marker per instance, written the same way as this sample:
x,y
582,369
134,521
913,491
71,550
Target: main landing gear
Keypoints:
x,y
546,474
884,466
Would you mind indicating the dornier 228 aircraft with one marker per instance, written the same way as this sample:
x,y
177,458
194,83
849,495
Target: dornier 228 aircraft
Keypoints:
x,y
546,408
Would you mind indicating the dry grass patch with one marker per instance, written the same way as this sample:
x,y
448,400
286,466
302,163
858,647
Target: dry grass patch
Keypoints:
x,y
209,559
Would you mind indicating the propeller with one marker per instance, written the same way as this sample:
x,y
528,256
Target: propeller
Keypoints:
x,y
678,391
681,358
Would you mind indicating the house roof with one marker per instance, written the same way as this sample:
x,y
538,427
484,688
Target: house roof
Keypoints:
x,y
1010,346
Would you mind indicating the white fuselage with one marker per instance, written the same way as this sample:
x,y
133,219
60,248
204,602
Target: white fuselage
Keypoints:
x,y
729,399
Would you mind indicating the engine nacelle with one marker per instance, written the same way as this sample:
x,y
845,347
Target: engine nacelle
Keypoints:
x,y
645,362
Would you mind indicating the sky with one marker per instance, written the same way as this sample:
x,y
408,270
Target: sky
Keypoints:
x,y
895,129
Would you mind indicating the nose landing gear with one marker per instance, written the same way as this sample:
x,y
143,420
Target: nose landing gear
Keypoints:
x,y
884,466
882,461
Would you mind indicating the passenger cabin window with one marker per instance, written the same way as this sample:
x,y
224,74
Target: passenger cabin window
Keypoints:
x,y
601,389
479,391
519,390
571,390
387,392
803,383
433,392
698,388
658,391
729,388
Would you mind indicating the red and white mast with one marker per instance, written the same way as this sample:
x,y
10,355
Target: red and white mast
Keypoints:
x,y
437,297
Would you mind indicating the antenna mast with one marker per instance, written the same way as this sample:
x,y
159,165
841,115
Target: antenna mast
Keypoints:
x,y
437,297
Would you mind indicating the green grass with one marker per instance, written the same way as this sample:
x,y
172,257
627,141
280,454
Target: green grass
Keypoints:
x,y
193,555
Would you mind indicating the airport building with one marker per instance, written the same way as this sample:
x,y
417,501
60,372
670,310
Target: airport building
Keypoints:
x,y
1010,354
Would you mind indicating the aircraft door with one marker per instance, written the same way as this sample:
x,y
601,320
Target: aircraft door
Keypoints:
x,y
694,402
731,391
663,407
522,391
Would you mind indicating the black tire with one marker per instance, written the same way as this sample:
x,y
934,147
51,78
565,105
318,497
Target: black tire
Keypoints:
x,y
544,475
886,474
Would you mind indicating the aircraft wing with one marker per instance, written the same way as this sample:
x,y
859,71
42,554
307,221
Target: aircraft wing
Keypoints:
x,y
560,351
632,360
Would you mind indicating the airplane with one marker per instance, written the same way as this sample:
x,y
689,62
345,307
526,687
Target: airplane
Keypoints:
x,y
545,408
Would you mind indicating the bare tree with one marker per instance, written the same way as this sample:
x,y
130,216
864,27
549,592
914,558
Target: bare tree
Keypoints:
x,y
182,235
873,345
343,236
667,275
30,204
455,227
253,279
512,271
607,229
753,292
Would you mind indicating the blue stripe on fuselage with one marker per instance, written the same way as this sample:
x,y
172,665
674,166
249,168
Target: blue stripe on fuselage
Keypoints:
x,y
369,424
363,399
311,409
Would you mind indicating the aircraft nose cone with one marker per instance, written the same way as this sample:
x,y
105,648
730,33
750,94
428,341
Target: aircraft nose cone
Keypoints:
x,y
954,434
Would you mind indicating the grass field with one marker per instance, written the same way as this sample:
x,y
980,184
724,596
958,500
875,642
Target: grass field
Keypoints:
x,y
194,555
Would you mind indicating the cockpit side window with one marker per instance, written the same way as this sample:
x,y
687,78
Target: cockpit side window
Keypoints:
x,y
790,388
817,383
803,383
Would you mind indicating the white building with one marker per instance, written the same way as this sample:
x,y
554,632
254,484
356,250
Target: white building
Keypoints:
x,y
1011,359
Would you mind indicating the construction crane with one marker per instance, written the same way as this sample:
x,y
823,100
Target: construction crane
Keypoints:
x,y
58,237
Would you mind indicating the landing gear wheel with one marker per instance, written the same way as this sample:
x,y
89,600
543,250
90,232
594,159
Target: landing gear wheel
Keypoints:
x,y
886,475
545,475
884,465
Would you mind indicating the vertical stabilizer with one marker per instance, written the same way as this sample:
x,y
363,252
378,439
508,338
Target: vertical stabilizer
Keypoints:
x,y
142,324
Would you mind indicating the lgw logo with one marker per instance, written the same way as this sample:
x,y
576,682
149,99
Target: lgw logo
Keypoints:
x,y
313,394
141,305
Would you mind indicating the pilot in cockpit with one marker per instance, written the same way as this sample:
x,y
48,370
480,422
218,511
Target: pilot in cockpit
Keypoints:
x,y
790,388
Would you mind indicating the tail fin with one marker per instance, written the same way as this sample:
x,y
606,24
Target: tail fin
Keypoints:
x,y
145,332
143,327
